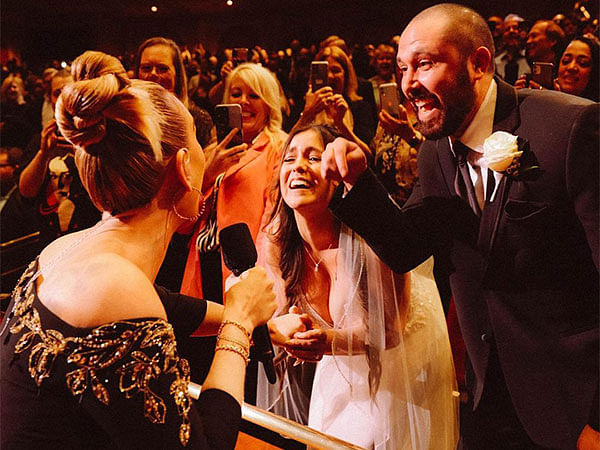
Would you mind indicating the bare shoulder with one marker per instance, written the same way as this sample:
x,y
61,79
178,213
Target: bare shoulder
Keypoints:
x,y
98,289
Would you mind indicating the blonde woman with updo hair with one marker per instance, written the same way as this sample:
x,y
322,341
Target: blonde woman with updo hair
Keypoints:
x,y
88,355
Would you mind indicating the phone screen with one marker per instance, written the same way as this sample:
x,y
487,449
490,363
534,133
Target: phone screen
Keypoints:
x,y
543,74
390,102
319,74
228,117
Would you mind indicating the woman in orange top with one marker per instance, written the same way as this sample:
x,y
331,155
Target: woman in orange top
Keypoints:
x,y
237,180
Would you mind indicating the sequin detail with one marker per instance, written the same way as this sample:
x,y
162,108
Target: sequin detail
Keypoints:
x,y
140,350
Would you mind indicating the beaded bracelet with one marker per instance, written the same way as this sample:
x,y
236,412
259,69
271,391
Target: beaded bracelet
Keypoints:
x,y
233,341
234,349
238,325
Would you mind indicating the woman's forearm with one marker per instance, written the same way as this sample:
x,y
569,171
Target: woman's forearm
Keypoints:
x,y
212,320
33,176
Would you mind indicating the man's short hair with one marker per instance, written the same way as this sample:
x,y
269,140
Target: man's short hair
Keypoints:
x,y
469,30
554,33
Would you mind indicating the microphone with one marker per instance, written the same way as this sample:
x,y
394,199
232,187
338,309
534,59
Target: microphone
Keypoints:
x,y
239,255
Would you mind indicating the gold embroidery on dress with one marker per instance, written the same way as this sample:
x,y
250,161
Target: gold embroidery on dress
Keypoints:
x,y
119,342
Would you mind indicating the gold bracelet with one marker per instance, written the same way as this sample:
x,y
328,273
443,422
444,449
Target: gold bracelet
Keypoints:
x,y
233,341
238,325
235,349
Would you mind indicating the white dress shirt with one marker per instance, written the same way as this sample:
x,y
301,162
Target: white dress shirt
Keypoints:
x,y
479,130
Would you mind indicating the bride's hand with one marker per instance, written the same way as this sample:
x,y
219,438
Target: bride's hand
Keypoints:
x,y
308,345
283,328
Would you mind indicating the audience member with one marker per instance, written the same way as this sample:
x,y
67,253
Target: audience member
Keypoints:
x,y
496,25
50,182
385,65
159,59
338,103
237,180
15,128
511,63
578,72
545,42
47,107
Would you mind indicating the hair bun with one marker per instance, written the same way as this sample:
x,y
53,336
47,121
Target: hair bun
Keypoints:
x,y
99,78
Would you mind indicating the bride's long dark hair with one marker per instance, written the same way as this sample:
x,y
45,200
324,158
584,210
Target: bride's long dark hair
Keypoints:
x,y
284,234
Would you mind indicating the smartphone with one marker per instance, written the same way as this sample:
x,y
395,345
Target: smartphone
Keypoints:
x,y
543,74
239,56
390,102
228,117
319,74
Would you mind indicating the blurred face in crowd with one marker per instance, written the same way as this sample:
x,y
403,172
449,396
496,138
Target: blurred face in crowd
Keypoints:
x,y
435,79
539,45
511,36
384,62
496,25
156,64
47,79
300,177
38,88
336,76
56,86
7,170
575,68
12,92
255,111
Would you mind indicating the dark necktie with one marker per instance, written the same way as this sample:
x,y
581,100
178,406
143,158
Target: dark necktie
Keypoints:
x,y
462,180
491,185
511,72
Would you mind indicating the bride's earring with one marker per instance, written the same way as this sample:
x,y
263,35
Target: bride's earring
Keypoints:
x,y
195,216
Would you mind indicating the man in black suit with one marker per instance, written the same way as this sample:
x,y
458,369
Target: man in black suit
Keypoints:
x,y
519,245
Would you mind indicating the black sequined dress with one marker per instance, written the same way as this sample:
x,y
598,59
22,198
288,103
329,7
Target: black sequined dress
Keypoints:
x,y
118,385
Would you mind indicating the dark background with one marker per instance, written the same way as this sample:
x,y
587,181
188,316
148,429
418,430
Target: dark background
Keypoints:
x,y
41,30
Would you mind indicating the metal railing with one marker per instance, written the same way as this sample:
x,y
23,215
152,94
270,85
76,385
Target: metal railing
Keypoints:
x,y
286,428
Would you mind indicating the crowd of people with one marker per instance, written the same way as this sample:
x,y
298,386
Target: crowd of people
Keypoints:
x,y
383,236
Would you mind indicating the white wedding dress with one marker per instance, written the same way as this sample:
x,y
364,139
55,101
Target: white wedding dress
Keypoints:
x,y
389,383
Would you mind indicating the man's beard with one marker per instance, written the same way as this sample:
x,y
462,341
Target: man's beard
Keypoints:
x,y
458,102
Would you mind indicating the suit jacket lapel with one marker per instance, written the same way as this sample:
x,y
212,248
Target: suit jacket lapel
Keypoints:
x,y
447,162
506,118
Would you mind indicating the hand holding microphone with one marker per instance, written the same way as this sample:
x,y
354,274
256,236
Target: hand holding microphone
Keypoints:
x,y
252,295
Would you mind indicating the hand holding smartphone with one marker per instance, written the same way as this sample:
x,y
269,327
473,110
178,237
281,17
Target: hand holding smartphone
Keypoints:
x,y
227,117
543,74
390,101
319,75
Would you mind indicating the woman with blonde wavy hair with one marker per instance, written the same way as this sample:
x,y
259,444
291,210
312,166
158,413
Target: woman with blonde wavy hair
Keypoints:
x,y
89,357
238,179
236,184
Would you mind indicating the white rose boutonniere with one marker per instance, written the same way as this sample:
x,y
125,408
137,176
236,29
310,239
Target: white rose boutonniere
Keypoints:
x,y
509,154
500,150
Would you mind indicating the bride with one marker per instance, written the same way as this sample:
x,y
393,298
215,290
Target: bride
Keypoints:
x,y
384,377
